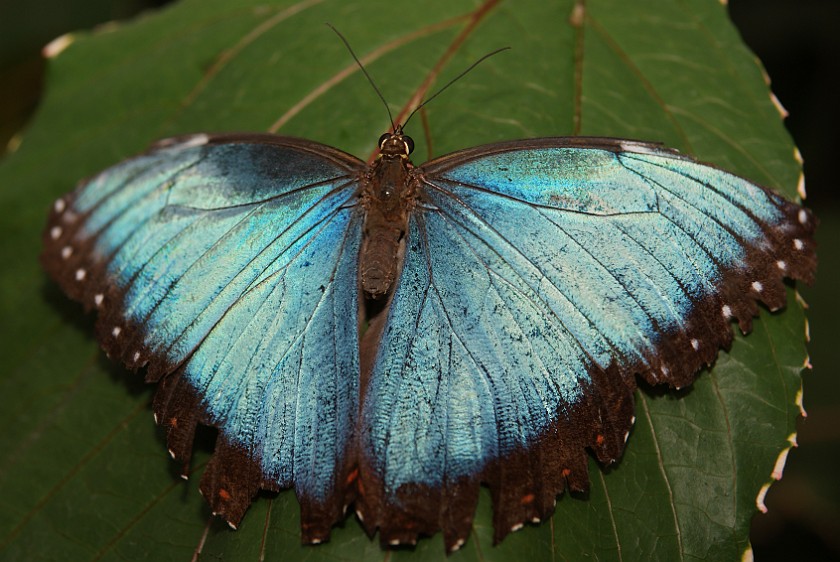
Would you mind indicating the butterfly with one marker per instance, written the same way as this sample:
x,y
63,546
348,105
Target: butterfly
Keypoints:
x,y
514,292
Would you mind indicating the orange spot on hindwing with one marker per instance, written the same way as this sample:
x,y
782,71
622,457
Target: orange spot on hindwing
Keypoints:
x,y
352,476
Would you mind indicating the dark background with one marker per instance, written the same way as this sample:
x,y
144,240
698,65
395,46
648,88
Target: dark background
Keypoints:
x,y
799,45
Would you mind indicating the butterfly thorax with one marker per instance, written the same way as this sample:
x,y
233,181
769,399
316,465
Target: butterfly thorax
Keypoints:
x,y
388,195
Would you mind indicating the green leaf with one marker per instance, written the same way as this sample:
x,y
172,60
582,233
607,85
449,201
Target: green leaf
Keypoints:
x,y
83,471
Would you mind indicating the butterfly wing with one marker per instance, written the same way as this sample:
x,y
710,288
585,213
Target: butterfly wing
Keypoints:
x,y
227,264
540,278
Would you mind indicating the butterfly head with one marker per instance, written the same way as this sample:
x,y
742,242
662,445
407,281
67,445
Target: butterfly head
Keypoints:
x,y
396,144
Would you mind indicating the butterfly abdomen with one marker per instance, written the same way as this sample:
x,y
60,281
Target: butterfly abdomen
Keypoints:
x,y
380,256
388,197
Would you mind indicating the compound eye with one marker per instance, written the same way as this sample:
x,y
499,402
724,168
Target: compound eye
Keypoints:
x,y
383,138
409,143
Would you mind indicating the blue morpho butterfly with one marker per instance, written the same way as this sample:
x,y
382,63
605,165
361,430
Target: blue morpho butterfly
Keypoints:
x,y
521,287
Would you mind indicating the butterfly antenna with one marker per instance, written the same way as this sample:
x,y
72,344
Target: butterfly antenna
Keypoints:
x,y
372,83
439,92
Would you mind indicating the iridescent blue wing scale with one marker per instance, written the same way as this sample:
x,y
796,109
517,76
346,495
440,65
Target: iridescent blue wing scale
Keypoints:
x,y
228,265
540,278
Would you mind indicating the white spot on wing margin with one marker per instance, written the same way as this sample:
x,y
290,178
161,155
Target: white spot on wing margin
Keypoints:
x,y
640,147
195,140
190,141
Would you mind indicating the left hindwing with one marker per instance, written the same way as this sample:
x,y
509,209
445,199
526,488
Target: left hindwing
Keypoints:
x,y
537,283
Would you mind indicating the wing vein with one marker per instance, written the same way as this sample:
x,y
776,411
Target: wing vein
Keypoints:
x,y
227,233
507,196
